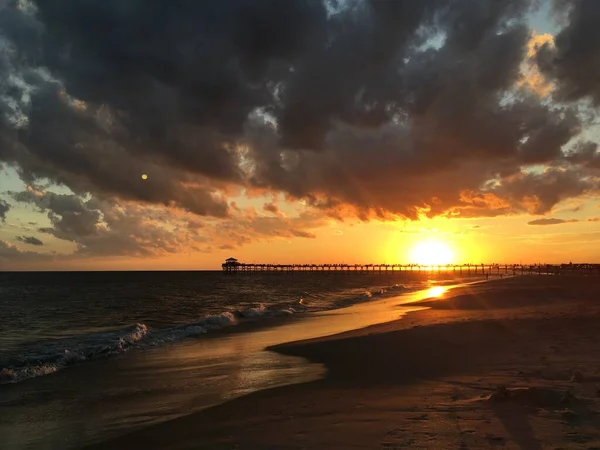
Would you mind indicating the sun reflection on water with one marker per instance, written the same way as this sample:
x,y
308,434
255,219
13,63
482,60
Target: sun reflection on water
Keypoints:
x,y
436,291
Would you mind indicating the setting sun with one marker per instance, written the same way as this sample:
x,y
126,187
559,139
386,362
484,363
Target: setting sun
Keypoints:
x,y
431,253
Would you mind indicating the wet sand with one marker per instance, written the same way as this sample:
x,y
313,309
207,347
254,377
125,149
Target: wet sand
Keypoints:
x,y
511,364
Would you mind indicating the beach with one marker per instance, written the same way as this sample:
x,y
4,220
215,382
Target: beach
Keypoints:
x,y
511,363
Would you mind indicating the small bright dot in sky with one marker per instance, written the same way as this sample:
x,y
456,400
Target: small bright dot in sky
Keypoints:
x,y
144,176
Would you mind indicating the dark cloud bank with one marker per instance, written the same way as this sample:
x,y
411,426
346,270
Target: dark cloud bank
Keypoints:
x,y
368,108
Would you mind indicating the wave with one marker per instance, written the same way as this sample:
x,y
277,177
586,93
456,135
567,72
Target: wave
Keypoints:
x,y
56,355
52,356
376,294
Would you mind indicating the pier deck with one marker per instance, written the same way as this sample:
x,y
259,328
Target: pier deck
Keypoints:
x,y
234,266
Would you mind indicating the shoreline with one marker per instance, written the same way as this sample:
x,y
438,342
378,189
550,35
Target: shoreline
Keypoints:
x,y
146,388
386,382
216,325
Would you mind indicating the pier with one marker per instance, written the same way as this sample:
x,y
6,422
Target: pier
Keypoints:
x,y
232,265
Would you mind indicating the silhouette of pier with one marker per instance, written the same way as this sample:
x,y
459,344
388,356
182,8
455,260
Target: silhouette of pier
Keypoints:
x,y
232,265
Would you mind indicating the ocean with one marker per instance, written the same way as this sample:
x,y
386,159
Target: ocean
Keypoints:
x,y
85,356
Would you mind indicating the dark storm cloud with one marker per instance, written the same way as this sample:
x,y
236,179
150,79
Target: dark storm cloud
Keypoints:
x,y
67,144
371,116
574,62
4,207
172,81
347,78
31,240
585,154
457,135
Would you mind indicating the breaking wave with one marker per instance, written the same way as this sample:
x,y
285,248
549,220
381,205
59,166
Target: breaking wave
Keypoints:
x,y
53,355
58,354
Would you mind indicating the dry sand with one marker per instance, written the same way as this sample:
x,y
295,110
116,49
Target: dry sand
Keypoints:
x,y
509,364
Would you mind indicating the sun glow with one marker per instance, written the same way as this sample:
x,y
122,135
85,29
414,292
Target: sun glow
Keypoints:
x,y
436,291
430,253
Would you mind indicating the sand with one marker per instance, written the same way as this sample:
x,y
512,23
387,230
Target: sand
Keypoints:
x,y
508,364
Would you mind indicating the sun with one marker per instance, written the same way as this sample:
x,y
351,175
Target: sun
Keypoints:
x,y
431,253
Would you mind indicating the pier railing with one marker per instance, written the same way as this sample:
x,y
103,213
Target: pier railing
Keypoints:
x,y
456,269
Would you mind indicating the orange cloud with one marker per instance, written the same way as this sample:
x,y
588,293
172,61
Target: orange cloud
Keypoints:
x,y
531,77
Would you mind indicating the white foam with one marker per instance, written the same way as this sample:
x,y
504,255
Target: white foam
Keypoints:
x,y
137,334
285,311
255,311
202,326
219,321
52,358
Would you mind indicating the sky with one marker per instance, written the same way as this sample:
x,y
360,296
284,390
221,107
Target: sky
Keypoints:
x,y
168,135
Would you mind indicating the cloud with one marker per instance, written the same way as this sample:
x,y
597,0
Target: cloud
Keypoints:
x,y
532,78
11,256
252,227
573,60
271,207
381,110
104,227
538,193
585,154
4,207
195,224
303,234
594,219
551,221
31,240
525,192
